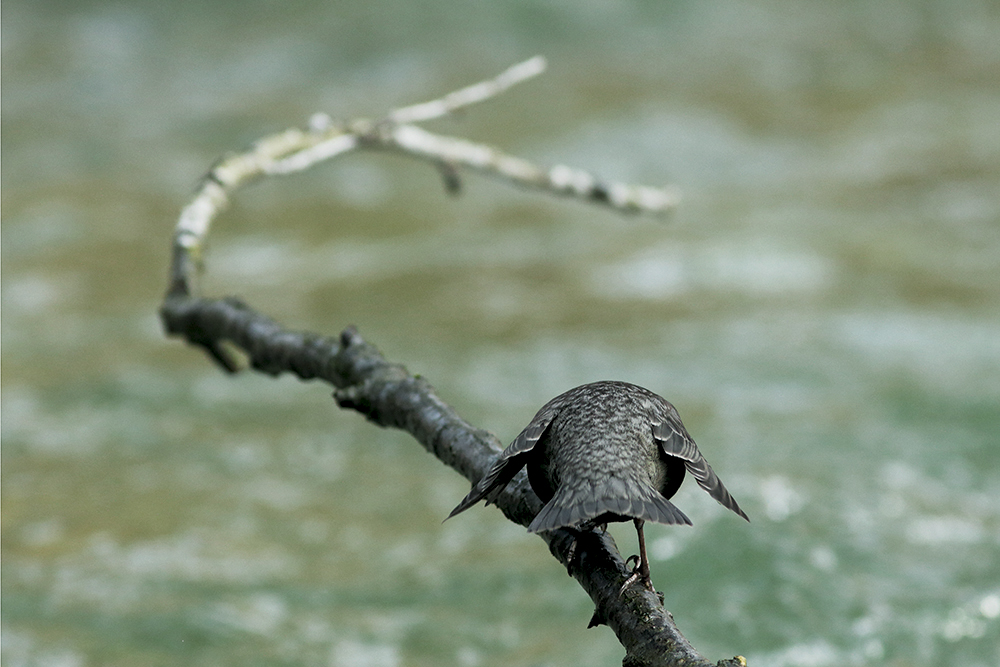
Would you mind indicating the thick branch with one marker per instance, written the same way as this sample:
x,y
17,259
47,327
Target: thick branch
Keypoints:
x,y
389,396
385,392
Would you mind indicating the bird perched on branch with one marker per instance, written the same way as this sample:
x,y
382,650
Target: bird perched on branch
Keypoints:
x,y
603,452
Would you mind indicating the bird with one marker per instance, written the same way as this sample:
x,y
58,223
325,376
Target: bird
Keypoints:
x,y
604,452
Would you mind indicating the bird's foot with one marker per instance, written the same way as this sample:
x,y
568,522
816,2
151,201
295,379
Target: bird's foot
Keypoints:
x,y
628,582
638,573
571,556
574,552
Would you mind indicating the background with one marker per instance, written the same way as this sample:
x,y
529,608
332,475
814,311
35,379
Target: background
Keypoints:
x,y
823,309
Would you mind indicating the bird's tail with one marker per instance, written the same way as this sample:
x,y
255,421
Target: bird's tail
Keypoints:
x,y
615,501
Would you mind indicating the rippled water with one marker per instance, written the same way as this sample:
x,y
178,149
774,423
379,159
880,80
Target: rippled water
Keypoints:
x,y
823,309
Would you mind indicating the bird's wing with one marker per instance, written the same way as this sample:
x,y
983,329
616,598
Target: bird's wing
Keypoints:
x,y
673,438
510,461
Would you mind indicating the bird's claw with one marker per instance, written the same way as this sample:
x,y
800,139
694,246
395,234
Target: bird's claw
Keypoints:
x,y
638,573
632,577
628,582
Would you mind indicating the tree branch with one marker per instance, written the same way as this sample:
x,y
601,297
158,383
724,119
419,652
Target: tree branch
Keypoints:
x,y
386,393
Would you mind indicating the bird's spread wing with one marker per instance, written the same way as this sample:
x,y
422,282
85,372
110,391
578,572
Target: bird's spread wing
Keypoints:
x,y
510,461
673,438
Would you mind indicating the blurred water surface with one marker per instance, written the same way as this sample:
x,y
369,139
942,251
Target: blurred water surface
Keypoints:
x,y
824,310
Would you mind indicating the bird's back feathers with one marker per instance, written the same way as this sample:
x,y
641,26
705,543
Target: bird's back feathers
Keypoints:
x,y
593,462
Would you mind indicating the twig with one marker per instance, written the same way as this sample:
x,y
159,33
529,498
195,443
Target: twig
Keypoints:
x,y
385,392
477,92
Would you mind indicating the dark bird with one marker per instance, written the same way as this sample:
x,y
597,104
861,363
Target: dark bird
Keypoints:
x,y
603,452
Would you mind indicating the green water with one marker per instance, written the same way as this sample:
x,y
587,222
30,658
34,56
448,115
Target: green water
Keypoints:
x,y
824,310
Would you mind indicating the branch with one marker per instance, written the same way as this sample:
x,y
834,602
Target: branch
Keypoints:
x,y
385,392
296,150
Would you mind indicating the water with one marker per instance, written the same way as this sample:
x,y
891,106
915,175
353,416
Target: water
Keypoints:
x,y
823,309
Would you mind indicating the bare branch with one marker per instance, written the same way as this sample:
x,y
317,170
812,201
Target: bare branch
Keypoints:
x,y
385,392
296,150
478,92
560,179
